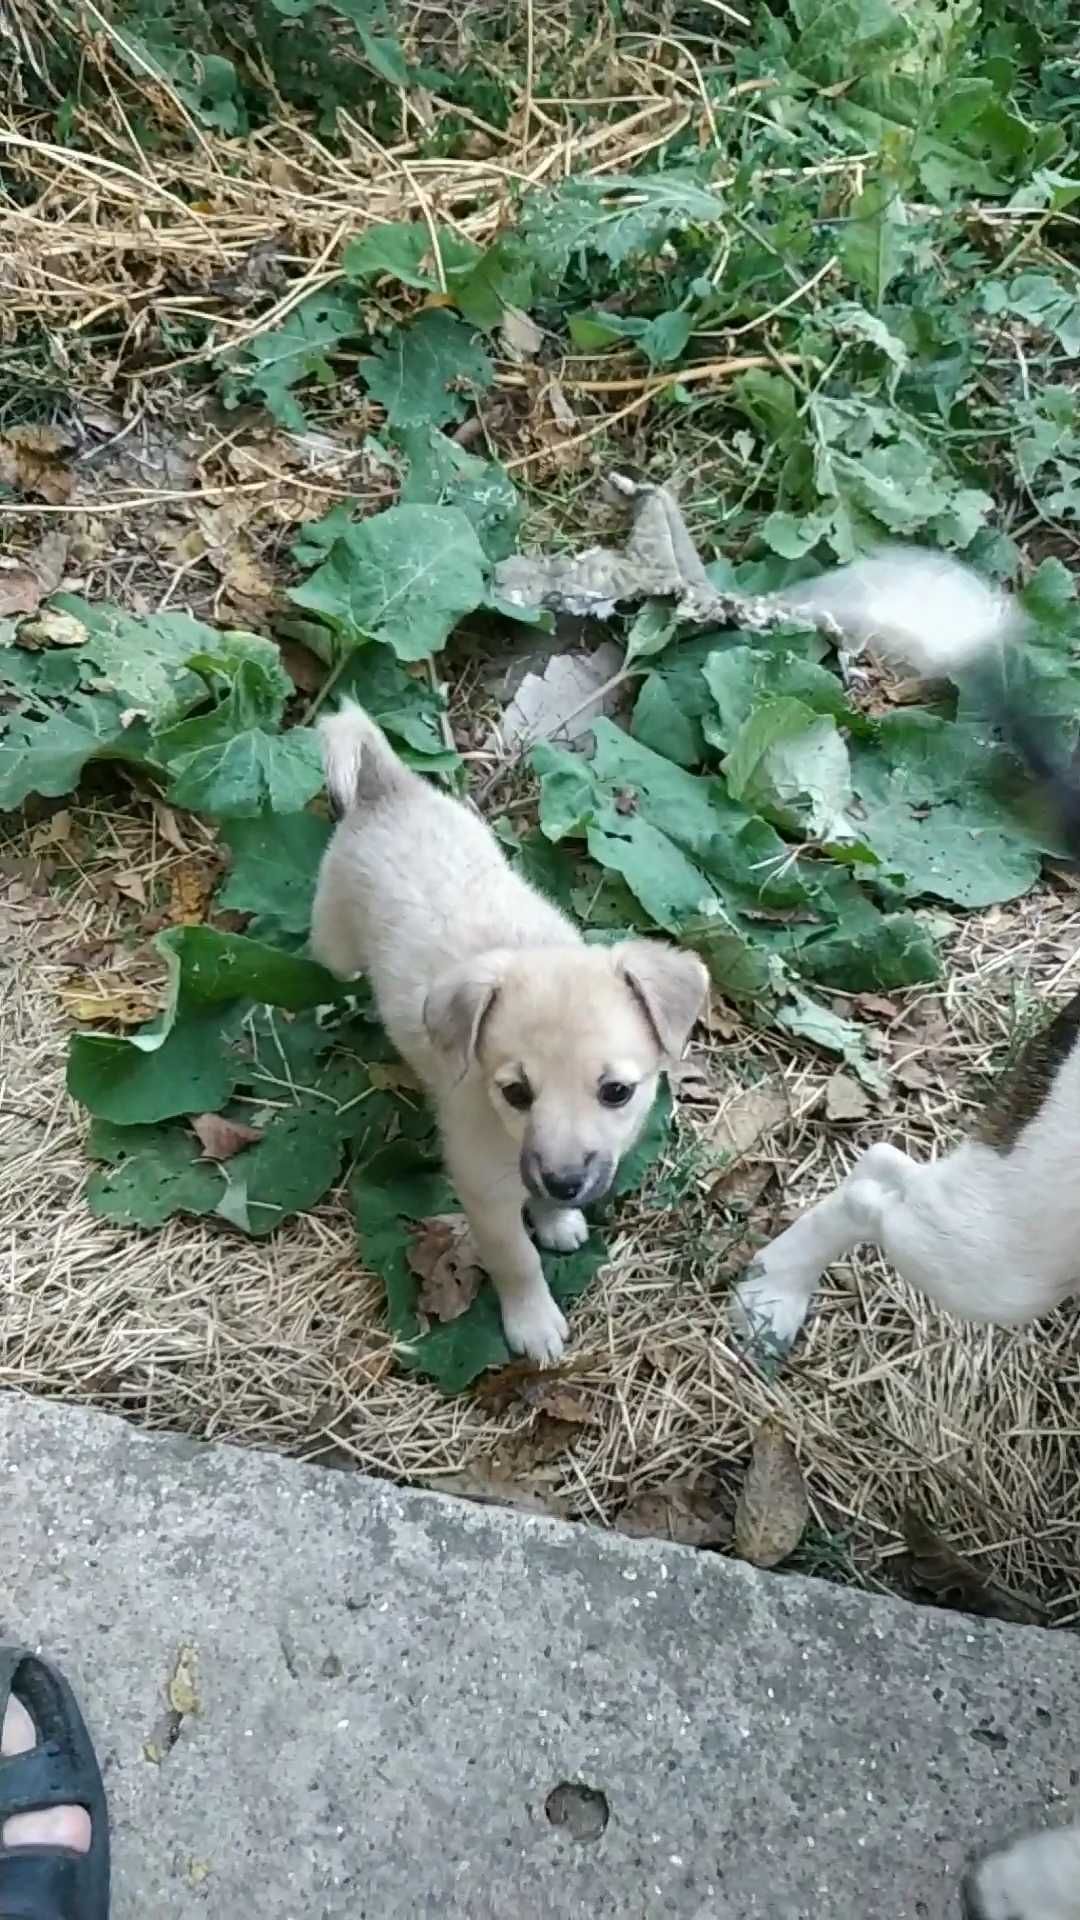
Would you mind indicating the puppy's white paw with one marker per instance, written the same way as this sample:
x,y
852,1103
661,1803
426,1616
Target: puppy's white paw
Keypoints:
x,y
535,1327
562,1230
768,1312
1037,1879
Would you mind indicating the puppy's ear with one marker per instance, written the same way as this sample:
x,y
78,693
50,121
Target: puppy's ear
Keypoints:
x,y
459,1003
669,984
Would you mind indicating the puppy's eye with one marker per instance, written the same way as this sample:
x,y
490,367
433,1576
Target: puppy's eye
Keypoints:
x,y
518,1094
615,1093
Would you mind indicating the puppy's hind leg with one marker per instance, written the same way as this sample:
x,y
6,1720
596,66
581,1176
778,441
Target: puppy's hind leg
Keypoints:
x,y
1037,1879
770,1304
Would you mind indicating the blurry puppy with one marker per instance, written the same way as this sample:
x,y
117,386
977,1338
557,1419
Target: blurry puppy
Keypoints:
x,y
992,1231
1037,1879
541,1053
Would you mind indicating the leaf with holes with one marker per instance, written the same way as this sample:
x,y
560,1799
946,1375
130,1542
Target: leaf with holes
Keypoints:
x,y
405,577
422,372
274,363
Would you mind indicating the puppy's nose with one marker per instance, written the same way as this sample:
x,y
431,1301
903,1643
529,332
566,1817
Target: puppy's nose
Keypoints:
x,y
565,1183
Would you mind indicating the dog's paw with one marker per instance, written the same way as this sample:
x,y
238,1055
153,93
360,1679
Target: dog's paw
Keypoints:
x,y
1037,1879
564,1231
536,1328
767,1315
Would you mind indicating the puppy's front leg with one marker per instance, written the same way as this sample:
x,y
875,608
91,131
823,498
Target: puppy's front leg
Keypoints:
x,y
771,1303
563,1229
493,1203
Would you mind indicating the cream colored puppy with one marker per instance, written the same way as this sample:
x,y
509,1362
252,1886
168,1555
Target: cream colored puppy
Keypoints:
x,y
541,1053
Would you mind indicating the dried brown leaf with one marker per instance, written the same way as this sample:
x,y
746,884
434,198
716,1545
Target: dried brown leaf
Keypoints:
x,y
131,885
547,1396
20,590
30,460
169,827
443,1256
689,1511
183,1687
689,1079
219,1138
845,1099
306,671
913,1075
753,1114
741,1187
773,1508
521,336
190,887
957,1582
122,1006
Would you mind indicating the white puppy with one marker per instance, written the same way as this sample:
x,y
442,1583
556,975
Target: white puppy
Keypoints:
x,y
992,1232
541,1053
1037,1879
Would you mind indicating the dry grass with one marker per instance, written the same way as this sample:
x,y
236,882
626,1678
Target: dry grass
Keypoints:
x,y
280,1343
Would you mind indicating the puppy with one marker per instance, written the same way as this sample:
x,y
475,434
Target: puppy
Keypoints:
x,y
541,1053
1037,1879
991,1232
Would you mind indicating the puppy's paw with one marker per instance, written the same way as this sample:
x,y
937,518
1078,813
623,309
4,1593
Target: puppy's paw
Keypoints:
x,y
563,1230
535,1327
768,1313
1037,1879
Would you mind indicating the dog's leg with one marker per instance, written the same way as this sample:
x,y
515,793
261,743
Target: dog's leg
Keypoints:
x,y
493,1203
771,1302
1037,1879
563,1229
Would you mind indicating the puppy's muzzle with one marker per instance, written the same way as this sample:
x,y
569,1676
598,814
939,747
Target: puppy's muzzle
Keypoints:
x,y
567,1185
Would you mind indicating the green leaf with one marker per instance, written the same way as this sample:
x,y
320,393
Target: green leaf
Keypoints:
x,y
404,249
876,241
186,1061
896,950
275,362
791,765
686,850
405,577
807,1019
613,216
251,774
741,680
933,808
661,339
287,1171
144,662
442,474
154,1173
405,705
45,751
502,277
417,375
272,873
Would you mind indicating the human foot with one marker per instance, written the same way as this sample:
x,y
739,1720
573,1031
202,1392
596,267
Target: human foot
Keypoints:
x,y
54,1841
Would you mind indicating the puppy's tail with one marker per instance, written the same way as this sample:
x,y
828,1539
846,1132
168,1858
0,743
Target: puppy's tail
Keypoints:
x,y
918,608
361,765
928,612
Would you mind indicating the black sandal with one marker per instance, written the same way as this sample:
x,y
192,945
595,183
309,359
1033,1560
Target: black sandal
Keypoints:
x,y
51,1883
